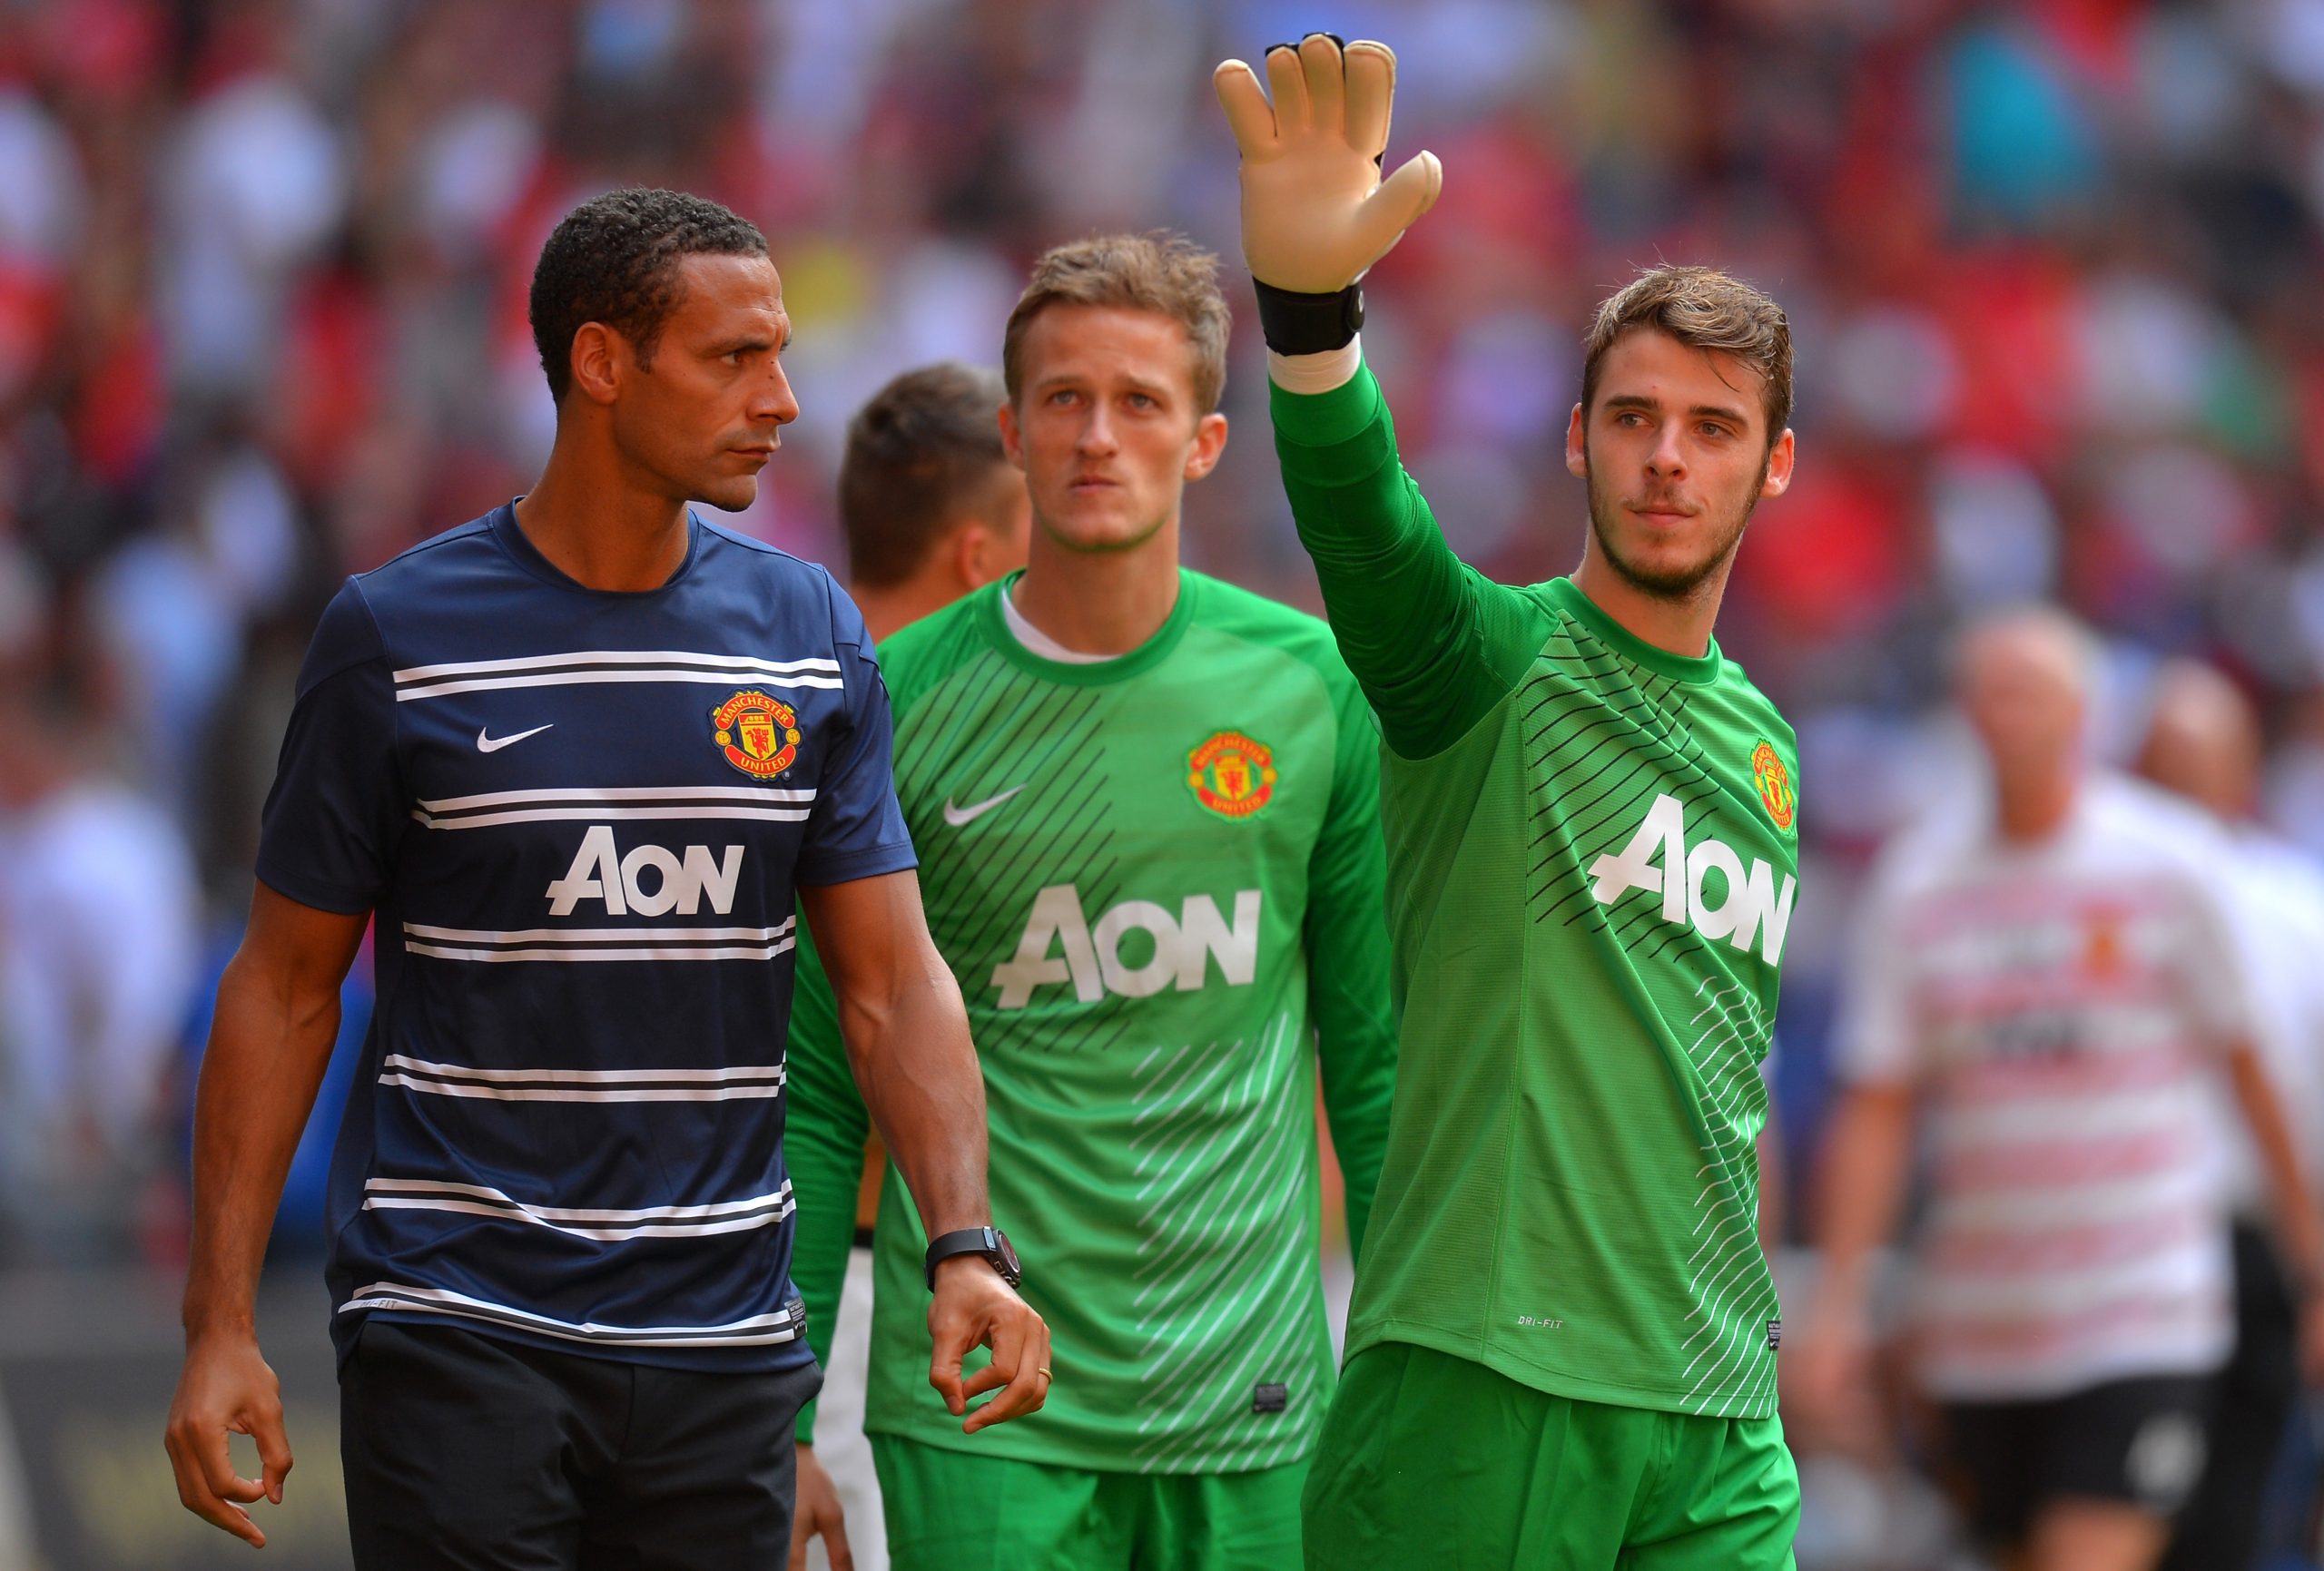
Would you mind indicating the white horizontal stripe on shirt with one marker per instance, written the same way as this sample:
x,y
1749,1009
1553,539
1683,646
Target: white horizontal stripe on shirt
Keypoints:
x,y
591,678
758,1330
2008,1210
746,1083
739,793
558,1094
614,657
2043,1120
608,1225
2184,1268
575,954
674,932
585,1076
603,815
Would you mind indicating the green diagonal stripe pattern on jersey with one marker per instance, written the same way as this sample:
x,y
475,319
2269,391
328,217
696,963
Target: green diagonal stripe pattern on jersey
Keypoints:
x,y
1593,866
1126,865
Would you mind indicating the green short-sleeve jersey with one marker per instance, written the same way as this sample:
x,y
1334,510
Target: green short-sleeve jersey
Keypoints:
x,y
1159,882
1593,855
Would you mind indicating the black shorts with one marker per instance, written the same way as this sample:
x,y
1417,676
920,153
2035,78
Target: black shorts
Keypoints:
x,y
2139,1441
464,1452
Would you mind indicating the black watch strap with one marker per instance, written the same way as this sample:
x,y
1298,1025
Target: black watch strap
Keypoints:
x,y
989,1241
1301,324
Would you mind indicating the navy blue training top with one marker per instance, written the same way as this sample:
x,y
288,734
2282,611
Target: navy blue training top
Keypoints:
x,y
580,817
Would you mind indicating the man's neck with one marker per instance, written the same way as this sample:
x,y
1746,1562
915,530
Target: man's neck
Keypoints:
x,y
597,526
1680,626
1101,602
889,606
2034,806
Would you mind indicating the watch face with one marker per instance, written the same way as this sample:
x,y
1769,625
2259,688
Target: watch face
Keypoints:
x,y
1007,1261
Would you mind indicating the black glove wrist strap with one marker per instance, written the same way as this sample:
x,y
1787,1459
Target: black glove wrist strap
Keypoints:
x,y
1302,324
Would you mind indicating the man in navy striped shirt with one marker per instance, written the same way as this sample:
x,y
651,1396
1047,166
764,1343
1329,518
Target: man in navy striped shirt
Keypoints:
x,y
583,760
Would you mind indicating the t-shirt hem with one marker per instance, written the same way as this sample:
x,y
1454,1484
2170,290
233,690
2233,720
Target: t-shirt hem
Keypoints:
x,y
992,1443
895,857
769,1359
1328,419
1553,1382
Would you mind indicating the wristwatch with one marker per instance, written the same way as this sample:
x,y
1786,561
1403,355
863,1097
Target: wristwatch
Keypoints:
x,y
989,1241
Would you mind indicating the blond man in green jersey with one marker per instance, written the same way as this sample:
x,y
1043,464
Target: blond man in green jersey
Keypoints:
x,y
1561,1348
1146,806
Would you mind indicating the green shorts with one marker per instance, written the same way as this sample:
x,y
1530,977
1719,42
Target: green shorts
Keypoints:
x,y
1427,1459
951,1511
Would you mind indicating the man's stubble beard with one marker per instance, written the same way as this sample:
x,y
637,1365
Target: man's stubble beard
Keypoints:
x,y
1084,547
1679,585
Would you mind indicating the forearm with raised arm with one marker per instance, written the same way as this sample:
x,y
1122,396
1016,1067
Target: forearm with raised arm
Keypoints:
x,y
1433,644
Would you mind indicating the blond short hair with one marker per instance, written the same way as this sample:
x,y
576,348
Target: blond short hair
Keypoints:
x,y
1703,308
1162,272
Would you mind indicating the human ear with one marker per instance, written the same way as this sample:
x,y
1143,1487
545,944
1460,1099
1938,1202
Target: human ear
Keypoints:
x,y
1209,443
1779,460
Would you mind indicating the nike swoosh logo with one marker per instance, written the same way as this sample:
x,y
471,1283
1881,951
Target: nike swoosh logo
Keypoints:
x,y
494,743
959,817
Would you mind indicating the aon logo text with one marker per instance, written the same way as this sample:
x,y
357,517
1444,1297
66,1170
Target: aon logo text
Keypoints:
x,y
1746,910
1184,946
650,881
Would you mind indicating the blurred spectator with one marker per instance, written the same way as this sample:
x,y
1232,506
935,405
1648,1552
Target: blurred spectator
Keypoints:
x,y
2046,979
97,959
2203,743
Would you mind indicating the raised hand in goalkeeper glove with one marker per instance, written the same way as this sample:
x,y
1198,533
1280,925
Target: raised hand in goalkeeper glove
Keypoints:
x,y
1315,213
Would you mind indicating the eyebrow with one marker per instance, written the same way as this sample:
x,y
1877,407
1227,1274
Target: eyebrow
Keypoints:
x,y
1654,407
751,341
1082,378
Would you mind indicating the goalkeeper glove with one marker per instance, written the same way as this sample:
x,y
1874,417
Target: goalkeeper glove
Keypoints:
x,y
1316,213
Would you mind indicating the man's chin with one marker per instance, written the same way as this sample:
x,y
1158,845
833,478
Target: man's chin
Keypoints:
x,y
1101,535
730,494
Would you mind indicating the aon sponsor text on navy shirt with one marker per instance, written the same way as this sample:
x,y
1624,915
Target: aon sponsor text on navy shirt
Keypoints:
x,y
581,818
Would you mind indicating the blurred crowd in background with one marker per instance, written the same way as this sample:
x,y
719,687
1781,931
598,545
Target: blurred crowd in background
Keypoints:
x,y
2051,268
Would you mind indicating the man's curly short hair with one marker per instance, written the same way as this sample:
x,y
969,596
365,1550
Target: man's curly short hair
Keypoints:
x,y
614,259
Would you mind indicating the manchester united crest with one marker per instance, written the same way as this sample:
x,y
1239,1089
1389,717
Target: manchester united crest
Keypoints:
x,y
1231,774
1774,780
758,733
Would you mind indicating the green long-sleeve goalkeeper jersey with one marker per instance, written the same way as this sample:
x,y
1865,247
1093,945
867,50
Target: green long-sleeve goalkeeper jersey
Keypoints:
x,y
1591,848
1159,881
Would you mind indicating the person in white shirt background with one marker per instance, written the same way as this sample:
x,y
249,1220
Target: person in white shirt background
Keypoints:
x,y
2203,743
2045,986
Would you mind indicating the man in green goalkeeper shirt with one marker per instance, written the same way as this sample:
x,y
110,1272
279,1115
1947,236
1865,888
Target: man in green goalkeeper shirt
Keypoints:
x,y
1147,805
1561,1348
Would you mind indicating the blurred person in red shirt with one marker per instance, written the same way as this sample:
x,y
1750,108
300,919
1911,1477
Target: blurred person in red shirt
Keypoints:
x,y
2045,980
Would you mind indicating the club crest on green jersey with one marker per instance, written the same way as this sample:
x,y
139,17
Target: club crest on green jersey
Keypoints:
x,y
1749,911
1774,780
1231,774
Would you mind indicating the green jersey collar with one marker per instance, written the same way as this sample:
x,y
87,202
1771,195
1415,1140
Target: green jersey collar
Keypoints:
x,y
1098,673
1567,597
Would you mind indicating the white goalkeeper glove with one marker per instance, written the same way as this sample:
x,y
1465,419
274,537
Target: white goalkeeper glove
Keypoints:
x,y
1315,213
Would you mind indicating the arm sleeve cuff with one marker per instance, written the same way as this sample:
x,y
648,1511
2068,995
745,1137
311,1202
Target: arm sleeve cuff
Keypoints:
x,y
1330,414
846,867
